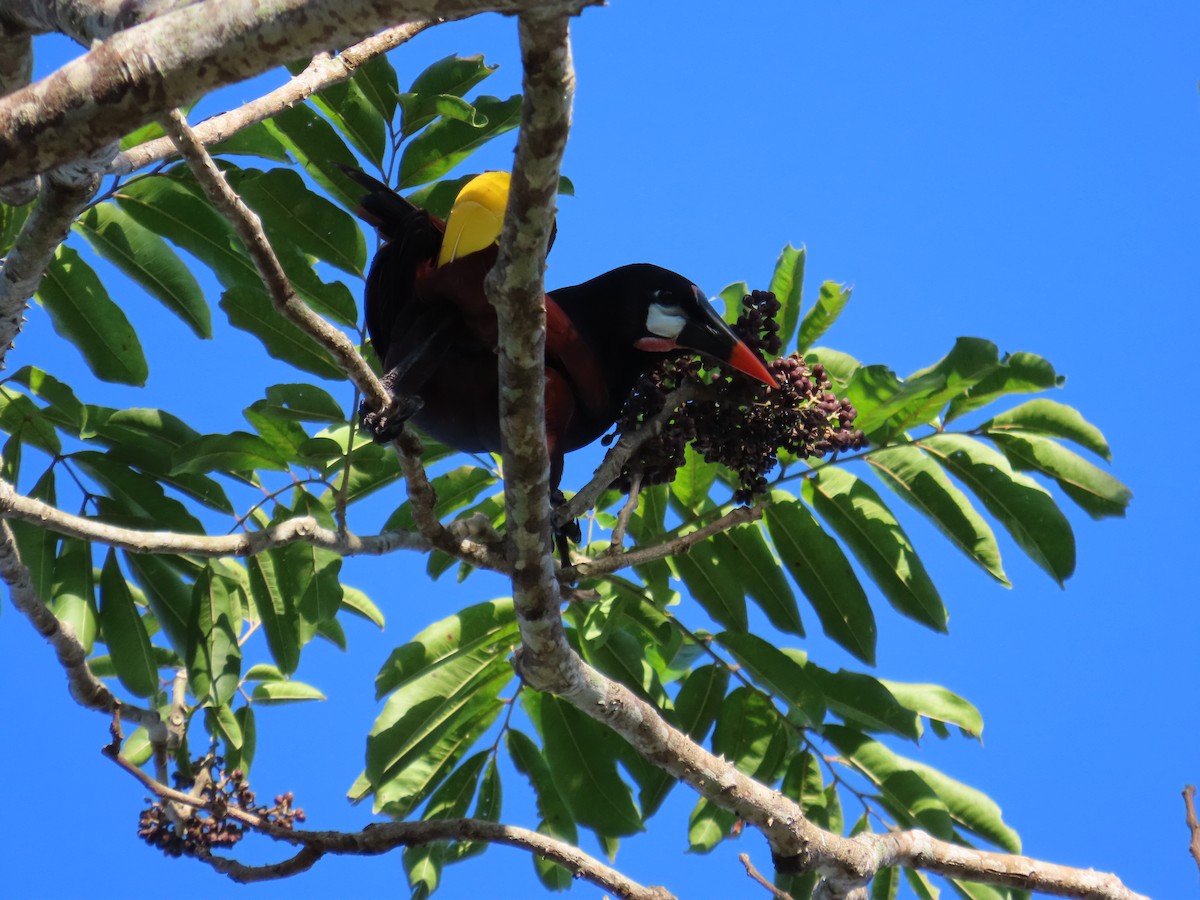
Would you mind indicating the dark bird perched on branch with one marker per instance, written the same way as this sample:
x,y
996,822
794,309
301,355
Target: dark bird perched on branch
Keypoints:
x,y
435,332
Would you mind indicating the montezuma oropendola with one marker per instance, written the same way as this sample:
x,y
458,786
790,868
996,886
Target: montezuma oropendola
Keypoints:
x,y
435,332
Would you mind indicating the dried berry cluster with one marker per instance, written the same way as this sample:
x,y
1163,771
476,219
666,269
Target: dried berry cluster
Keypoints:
x,y
735,420
204,830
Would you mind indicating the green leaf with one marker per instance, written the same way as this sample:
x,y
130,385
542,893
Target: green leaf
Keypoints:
x,y
864,523
73,591
708,825
140,494
696,707
166,594
968,807
831,300
377,80
309,574
869,388
715,585
623,658
82,312
137,748
778,673
148,260
12,219
171,207
582,755
220,721
787,284
732,295
693,480
556,818
274,692
64,407
234,452
822,571
924,485
745,550
1046,417
301,403
148,439
750,733
242,757
125,632
36,545
251,310
317,147
356,115
451,76
455,489
446,142
1019,373
935,702
444,686
294,215
1097,492
886,884
276,611
253,140
356,602
213,656
922,395
450,801
21,417
1022,506
865,702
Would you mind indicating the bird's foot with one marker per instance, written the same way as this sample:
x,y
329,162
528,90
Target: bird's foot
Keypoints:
x,y
386,424
566,531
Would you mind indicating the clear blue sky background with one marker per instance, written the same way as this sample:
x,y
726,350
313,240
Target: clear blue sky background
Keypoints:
x,y
1024,172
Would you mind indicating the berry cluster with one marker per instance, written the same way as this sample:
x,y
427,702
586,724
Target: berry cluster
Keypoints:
x,y
736,421
202,831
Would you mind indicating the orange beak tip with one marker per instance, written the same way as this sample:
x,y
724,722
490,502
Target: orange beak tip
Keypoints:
x,y
743,359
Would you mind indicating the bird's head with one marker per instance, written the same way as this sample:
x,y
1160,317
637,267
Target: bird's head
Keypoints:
x,y
671,313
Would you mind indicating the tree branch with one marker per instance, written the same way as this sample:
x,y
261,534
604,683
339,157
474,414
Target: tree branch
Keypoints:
x,y
1193,824
515,288
615,459
381,838
143,71
322,72
459,536
64,193
86,688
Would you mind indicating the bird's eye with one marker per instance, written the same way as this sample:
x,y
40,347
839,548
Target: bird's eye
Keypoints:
x,y
665,321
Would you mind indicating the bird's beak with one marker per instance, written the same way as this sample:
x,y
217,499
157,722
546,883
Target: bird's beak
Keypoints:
x,y
711,336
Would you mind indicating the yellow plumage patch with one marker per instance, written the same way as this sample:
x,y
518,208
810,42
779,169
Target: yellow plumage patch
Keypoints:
x,y
477,217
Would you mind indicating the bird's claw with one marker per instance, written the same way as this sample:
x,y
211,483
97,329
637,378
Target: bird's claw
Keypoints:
x,y
386,424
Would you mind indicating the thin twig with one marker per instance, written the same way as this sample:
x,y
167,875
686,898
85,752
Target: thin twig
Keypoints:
x,y
322,72
1189,802
627,511
620,453
753,873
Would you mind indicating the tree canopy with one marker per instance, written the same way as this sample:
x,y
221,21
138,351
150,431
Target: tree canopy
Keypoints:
x,y
723,640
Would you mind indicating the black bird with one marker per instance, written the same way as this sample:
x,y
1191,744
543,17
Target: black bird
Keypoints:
x,y
435,332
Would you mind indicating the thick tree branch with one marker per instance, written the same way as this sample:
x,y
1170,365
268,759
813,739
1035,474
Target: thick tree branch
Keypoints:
x,y
146,70
515,288
381,838
87,20
86,688
322,72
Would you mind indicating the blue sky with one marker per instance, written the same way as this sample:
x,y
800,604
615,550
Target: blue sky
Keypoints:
x,y
1023,172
